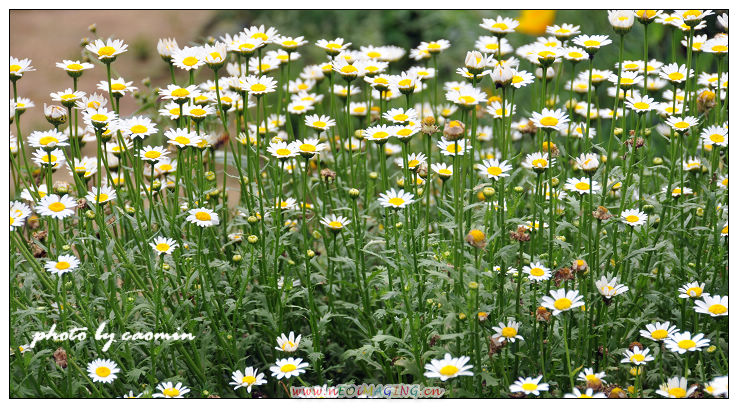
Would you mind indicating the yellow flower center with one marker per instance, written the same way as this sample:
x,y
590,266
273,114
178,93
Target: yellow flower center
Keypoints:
x,y
724,230
102,371
581,186
102,197
691,13
695,291
62,265
659,334
349,69
466,99
74,67
591,43
717,138
681,125
404,132
180,93
453,149
249,379
717,309
182,140
530,387
171,392
449,370
562,304
539,163
677,392
48,139
202,216
537,272
165,167
676,76
637,357
445,172
335,224
57,207
283,152
549,121
15,68
396,201
99,118
118,87
162,247
258,87
632,218
152,154
138,129
686,344
413,163
105,51
640,105
509,332
190,61
197,112
500,26
591,378
288,367
494,171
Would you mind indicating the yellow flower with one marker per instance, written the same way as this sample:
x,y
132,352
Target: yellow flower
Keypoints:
x,y
534,22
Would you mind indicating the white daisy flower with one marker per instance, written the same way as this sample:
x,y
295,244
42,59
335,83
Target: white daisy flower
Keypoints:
x,y
610,287
684,342
203,217
537,272
100,195
395,199
288,367
163,245
589,376
107,51
581,185
63,264
575,393
103,371
713,305
448,367
561,300
529,385
168,390
658,331
455,148
182,137
633,217
637,356
500,25
692,290
550,119
247,379
676,387
509,331
57,207
288,344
